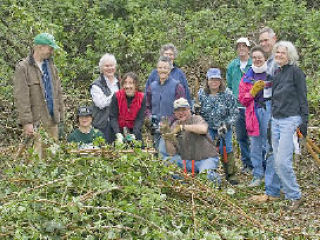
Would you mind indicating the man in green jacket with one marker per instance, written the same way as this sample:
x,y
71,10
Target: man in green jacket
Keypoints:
x,y
37,91
235,71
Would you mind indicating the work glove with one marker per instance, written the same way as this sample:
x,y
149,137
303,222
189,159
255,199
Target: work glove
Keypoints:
x,y
177,129
164,126
222,130
119,139
61,129
257,87
304,128
130,137
169,137
147,122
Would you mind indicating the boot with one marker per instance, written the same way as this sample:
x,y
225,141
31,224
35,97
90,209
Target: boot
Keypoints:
x,y
230,170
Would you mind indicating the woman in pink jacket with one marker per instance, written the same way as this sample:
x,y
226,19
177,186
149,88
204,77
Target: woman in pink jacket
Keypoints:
x,y
255,95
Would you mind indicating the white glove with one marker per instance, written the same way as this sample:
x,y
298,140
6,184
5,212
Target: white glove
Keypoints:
x,y
131,137
119,138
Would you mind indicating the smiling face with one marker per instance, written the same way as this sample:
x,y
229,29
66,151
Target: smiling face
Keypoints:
x,y
85,121
267,42
258,58
129,86
281,56
182,114
242,50
108,69
214,85
163,69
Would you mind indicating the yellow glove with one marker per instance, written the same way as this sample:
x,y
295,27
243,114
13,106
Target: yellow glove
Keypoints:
x,y
257,87
178,128
169,137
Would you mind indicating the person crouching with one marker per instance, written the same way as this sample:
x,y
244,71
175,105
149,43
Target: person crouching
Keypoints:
x,y
85,134
127,110
188,140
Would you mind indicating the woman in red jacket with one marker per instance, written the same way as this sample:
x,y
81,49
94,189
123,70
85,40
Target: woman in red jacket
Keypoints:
x,y
127,110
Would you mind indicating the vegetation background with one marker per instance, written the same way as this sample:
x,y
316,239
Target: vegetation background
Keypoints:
x,y
133,30
204,32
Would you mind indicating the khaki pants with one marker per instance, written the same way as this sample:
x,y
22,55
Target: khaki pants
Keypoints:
x,y
39,145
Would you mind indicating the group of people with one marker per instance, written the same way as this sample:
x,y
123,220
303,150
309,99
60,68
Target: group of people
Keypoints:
x,y
263,97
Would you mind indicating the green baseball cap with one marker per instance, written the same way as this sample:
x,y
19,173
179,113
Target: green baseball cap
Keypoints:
x,y
45,39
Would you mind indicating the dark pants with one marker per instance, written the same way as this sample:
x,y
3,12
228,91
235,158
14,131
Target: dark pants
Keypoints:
x,y
243,138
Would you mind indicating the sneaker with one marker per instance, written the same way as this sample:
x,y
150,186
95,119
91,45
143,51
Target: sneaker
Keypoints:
x,y
263,198
256,182
294,204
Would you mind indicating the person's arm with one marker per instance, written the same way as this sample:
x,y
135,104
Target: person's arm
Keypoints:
x,y
180,91
148,111
21,93
229,76
199,128
138,122
300,82
152,77
99,98
114,114
245,98
61,96
184,82
232,109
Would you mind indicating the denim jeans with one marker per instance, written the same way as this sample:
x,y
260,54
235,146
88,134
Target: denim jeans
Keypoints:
x,y
282,143
209,164
259,143
243,138
228,139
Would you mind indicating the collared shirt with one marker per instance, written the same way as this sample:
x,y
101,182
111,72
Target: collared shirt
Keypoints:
x,y
234,75
272,66
99,98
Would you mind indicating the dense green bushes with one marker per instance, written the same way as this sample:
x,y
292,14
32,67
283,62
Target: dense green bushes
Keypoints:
x,y
134,31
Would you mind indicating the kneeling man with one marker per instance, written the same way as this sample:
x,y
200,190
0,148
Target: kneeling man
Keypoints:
x,y
187,142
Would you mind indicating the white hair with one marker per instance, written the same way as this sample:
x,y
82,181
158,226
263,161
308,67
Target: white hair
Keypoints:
x,y
107,57
292,52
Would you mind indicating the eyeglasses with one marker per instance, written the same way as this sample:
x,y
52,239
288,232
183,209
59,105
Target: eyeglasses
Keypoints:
x,y
214,79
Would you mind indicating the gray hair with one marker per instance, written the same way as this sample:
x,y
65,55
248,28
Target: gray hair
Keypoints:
x,y
292,52
167,47
107,57
267,30
167,60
